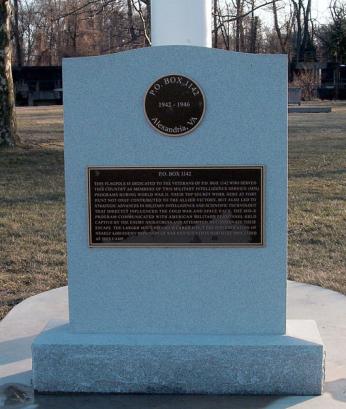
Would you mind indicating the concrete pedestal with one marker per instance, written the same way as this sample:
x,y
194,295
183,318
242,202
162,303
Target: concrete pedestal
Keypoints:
x,y
64,361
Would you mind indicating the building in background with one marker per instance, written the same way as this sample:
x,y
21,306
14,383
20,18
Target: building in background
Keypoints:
x,y
38,85
35,85
333,82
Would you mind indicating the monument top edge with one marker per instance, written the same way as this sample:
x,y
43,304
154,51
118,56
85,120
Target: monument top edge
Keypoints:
x,y
184,49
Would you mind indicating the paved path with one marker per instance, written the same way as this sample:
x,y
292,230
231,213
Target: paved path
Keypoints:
x,y
26,320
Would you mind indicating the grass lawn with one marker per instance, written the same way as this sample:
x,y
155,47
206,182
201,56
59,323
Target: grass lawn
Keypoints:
x,y
317,198
32,219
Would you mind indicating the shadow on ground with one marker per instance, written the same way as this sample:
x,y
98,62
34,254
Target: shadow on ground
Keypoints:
x,y
14,396
337,389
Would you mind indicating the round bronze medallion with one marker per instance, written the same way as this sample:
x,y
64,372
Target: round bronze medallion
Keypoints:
x,y
174,105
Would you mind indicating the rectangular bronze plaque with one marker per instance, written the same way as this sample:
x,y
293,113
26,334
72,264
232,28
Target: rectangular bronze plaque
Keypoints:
x,y
176,206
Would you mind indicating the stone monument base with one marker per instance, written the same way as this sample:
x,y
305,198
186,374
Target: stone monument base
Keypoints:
x,y
291,364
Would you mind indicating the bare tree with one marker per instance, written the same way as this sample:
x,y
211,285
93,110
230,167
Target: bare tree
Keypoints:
x,y
305,80
239,33
138,7
304,47
306,40
8,132
253,28
16,34
216,17
225,27
50,30
332,36
130,21
239,25
283,31
148,19
28,23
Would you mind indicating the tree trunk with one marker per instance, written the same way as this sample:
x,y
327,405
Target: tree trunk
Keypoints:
x,y
149,17
298,12
239,30
306,34
216,30
254,34
253,31
130,21
18,43
146,21
278,29
8,134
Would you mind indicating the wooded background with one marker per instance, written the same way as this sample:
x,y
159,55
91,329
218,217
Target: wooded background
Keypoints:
x,y
45,31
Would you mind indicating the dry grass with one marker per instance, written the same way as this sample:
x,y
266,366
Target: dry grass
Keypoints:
x,y
317,198
32,221
41,126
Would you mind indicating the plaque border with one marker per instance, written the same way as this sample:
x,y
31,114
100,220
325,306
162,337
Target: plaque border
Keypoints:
x,y
187,132
262,244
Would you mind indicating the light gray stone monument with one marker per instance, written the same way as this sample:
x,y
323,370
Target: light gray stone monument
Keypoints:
x,y
176,195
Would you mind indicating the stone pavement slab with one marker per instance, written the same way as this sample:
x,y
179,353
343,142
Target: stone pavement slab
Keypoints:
x,y
29,318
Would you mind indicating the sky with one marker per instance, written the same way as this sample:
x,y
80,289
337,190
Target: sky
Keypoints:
x,y
320,10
